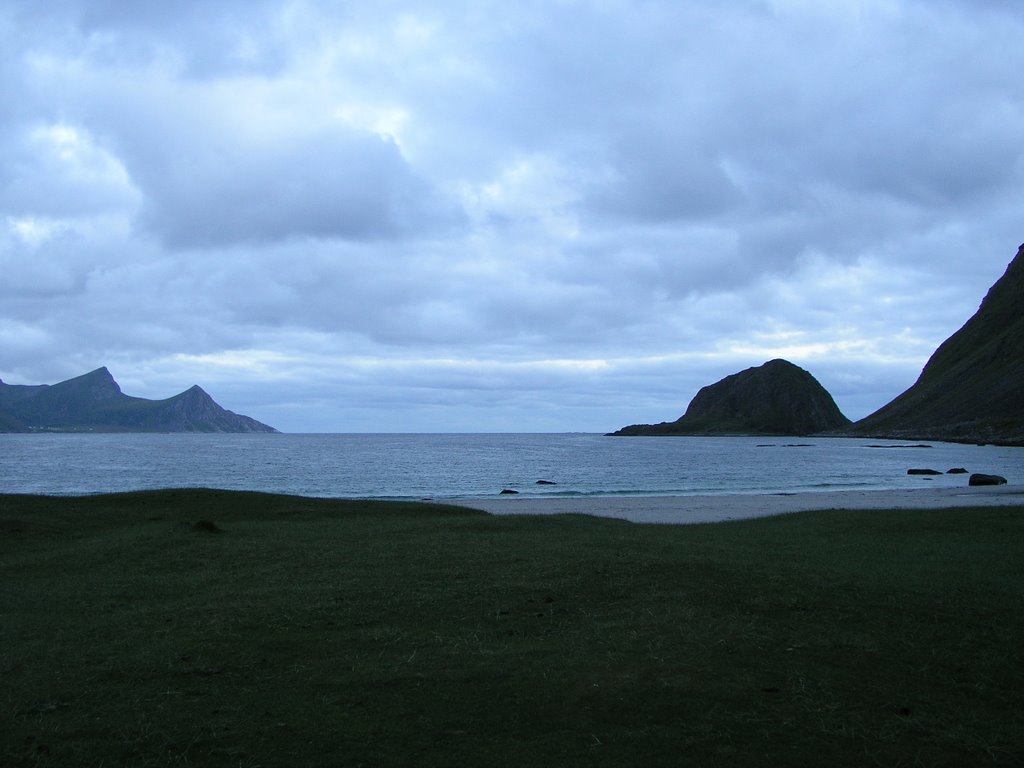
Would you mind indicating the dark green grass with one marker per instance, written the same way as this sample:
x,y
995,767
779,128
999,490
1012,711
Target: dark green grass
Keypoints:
x,y
299,632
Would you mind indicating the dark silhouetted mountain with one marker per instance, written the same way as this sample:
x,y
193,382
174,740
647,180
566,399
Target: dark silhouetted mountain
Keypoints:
x,y
777,398
94,403
972,388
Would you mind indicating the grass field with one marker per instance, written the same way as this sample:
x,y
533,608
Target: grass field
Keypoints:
x,y
213,628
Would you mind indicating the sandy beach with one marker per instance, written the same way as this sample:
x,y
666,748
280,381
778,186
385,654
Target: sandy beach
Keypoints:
x,y
718,508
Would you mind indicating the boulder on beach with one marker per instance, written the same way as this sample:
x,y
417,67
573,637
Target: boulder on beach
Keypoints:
x,y
982,479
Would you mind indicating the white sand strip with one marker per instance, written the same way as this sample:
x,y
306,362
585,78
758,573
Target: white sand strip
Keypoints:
x,y
710,509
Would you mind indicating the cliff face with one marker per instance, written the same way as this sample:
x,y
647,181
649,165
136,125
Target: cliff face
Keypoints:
x,y
94,403
972,388
777,398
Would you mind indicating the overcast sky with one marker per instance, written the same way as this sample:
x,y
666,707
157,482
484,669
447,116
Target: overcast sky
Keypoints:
x,y
542,215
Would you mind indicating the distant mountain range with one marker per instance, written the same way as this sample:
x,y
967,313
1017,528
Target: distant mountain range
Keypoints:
x,y
971,390
94,403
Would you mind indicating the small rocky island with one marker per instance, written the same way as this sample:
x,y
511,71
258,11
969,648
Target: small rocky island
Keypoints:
x,y
94,403
777,398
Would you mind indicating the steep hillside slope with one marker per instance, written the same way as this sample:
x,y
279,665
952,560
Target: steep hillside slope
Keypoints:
x,y
972,388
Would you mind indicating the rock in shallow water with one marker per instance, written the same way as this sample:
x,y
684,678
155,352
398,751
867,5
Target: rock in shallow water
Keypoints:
x,y
981,479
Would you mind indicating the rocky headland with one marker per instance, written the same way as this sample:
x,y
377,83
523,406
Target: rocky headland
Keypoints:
x,y
777,398
971,389
94,402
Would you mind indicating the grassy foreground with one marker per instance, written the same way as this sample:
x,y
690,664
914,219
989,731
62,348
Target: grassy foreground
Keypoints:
x,y
301,632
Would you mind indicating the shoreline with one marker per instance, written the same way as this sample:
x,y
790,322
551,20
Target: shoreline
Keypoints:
x,y
683,510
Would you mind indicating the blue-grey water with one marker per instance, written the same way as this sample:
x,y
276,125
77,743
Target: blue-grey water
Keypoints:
x,y
467,466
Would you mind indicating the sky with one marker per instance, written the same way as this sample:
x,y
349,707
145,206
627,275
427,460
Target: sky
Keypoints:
x,y
476,216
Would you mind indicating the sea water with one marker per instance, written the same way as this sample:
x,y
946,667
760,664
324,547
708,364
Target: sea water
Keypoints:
x,y
468,466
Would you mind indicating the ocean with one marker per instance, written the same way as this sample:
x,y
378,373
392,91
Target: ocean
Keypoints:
x,y
471,466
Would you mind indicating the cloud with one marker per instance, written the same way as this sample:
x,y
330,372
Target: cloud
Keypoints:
x,y
204,40
500,216
255,171
221,189
58,171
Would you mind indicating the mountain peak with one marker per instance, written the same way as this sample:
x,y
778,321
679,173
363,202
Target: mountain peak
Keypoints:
x,y
94,402
777,398
99,380
95,385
